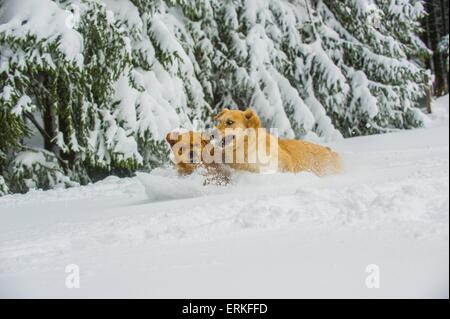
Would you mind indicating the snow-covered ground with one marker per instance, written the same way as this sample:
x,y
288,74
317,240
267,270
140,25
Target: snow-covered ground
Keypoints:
x,y
268,236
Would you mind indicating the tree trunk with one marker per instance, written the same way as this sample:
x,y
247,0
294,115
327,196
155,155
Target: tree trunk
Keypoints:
x,y
444,12
50,122
429,44
434,32
65,119
429,100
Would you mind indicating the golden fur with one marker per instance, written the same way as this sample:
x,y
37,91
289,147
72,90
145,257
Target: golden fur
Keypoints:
x,y
198,144
181,144
292,155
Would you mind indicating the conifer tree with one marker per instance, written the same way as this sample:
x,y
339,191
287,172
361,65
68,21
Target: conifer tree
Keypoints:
x,y
90,88
377,50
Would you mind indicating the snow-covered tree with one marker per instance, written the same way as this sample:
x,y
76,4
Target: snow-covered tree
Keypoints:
x,y
60,82
3,187
90,88
375,46
436,25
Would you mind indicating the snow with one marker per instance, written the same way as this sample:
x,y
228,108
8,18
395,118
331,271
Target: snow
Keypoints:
x,y
362,94
168,43
126,11
6,94
270,236
23,105
46,20
440,114
29,158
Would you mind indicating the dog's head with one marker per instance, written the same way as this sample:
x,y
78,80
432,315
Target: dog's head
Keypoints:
x,y
235,119
232,124
187,147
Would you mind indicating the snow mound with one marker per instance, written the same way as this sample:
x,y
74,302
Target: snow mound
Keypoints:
x,y
306,236
160,185
164,184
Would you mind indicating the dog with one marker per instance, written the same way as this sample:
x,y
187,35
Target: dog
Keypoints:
x,y
186,150
288,155
193,151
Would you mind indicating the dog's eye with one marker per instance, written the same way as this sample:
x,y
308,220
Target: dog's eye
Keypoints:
x,y
229,122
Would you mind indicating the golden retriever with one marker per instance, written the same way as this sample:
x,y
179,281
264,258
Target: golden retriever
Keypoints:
x,y
289,155
193,150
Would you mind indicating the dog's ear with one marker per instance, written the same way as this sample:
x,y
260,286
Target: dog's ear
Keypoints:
x,y
253,120
172,138
218,116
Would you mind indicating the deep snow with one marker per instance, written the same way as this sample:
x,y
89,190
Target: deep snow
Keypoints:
x,y
268,236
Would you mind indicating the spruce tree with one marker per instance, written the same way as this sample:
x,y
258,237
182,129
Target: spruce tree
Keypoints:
x,y
377,50
103,82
